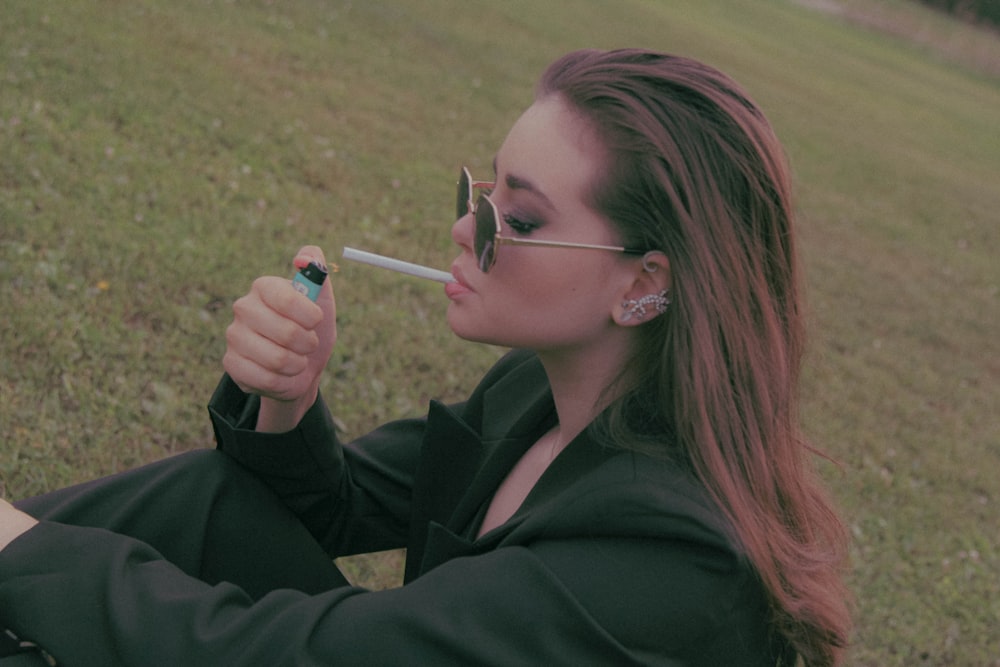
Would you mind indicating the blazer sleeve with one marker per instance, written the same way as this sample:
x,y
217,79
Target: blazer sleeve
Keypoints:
x,y
91,597
353,497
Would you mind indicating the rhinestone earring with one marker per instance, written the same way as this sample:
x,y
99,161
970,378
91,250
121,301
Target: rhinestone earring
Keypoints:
x,y
637,308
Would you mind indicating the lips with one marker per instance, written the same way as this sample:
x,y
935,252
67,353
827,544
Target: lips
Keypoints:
x,y
460,286
459,276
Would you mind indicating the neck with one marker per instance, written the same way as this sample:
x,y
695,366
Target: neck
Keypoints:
x,y
579,380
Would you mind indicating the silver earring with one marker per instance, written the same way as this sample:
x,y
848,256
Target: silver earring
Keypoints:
x,y
637,308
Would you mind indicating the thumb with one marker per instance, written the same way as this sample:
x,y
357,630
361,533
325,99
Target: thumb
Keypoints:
x,y
309,253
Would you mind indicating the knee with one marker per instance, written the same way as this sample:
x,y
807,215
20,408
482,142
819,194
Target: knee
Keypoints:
x,y
213,469
209,461
210,467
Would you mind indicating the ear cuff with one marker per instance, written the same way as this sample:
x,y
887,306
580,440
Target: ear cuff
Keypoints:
x,y
638,308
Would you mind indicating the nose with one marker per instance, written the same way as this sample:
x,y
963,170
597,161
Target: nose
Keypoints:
x,y
462,231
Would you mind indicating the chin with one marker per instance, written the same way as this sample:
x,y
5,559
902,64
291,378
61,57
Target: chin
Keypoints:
x,y
474,335
471,329
461,326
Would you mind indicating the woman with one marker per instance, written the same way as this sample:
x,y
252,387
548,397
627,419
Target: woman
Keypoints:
x,y
628,486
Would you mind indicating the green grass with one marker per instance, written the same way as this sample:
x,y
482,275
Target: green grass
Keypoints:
x,y
156,156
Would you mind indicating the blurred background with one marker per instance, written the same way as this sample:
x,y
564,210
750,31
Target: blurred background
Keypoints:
x,y
158,155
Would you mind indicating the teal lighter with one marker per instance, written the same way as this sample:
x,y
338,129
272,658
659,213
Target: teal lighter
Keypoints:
x,y
310,279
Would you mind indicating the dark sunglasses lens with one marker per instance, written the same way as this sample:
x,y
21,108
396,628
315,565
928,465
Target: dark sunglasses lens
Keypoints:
x,y
464,194
486,229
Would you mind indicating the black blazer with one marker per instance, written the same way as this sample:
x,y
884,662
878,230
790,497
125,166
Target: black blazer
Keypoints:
x,y
614,558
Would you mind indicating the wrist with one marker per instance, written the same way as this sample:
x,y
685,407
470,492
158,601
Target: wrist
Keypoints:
x,y
277,416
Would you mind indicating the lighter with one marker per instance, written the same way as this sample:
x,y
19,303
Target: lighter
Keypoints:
x,y
309,280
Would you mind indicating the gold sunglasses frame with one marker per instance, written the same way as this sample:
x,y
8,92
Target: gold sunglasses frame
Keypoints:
x,y
499,239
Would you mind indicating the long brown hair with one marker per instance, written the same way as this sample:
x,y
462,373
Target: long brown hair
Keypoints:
x,y
695,170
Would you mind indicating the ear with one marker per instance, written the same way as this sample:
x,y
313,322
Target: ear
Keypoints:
x,y
648,292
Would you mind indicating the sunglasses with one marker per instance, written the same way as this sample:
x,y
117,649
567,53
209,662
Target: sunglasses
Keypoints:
x,y
488,237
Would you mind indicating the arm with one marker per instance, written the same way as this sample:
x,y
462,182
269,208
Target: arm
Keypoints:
x,y
346,495
353,498
278,344
267,414
549,604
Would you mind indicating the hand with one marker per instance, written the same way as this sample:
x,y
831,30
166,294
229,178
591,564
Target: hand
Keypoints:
x,y
13,523
279,341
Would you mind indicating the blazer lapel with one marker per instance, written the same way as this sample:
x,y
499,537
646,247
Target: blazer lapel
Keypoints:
x,y
580,456
515,405
459,468
516,411
450,455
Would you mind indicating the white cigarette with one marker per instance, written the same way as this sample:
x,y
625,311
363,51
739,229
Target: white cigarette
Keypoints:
x,y
398,265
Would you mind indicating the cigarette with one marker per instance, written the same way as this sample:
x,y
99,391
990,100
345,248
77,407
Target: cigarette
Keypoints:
x,y
398,265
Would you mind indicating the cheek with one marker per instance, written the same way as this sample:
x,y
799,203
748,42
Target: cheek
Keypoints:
x,y
570,283
556,304
536,303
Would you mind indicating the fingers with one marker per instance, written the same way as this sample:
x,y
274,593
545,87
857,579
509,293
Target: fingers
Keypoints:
x,y
282,314
271,338
253,378
273,356
280,341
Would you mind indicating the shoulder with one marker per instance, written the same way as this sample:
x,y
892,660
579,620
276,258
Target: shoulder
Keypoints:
x,y
632,494
645,550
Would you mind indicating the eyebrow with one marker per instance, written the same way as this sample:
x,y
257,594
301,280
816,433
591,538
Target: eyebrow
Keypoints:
x,y
518,183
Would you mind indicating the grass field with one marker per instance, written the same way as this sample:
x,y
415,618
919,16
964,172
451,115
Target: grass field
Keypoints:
x,y
157,155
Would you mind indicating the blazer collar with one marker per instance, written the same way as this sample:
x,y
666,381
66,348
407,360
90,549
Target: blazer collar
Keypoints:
x,y
439,542
517,404
517,410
